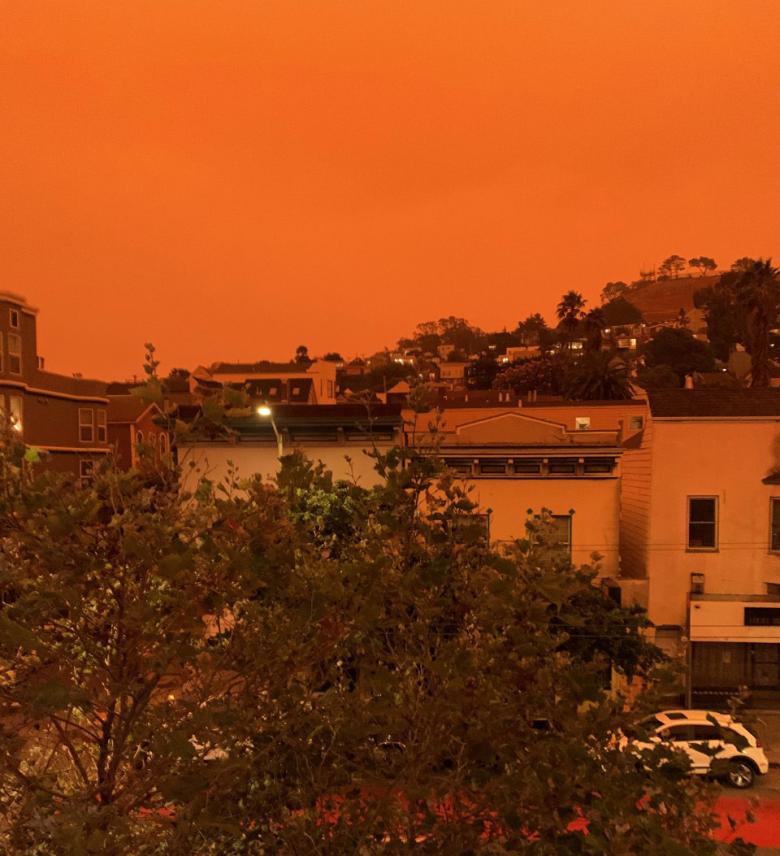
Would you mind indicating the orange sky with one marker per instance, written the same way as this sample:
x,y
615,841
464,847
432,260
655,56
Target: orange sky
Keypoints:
x,y
231,178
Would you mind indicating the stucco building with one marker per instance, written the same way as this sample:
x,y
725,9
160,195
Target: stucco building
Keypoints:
x,y
340,435
522,458
700,532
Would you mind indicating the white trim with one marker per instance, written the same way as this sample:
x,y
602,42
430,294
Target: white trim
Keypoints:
x,y
52,393
82,450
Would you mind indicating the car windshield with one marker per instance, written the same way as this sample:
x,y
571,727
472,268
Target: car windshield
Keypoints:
x,y
650,723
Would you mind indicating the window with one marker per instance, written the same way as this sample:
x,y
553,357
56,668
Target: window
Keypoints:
x,y
528,466
762,616
86,425
562,530
774,524
582,423
15,411
492,466
677,733
705,732
636,423
139,438
562,465
459,466
163,443
13,319
702,523
102,429
86,471
599,465
14,353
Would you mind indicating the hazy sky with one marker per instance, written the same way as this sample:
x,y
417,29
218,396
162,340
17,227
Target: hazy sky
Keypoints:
x,y
232,178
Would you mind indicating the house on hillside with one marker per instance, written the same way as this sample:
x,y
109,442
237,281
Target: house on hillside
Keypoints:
x,y
64,417
700,533
274,383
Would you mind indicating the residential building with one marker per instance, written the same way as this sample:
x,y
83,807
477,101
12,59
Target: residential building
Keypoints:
x,y
134,424
64,417
700,532
342,436
519,461
453,373
276,383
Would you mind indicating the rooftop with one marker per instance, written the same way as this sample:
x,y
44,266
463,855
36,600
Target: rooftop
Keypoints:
x,y
714,403
262,367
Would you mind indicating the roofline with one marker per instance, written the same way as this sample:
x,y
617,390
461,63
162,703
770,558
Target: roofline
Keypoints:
x,y
715,418
13,297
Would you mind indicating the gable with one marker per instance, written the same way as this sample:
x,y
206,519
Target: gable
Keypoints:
x,y
511,429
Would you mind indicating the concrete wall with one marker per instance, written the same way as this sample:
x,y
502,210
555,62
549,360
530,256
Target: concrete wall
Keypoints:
x,y
213,460
711,458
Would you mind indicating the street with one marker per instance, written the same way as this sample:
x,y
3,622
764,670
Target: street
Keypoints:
x,y
765,832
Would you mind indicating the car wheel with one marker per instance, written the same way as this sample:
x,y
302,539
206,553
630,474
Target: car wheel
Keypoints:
x,y
740,774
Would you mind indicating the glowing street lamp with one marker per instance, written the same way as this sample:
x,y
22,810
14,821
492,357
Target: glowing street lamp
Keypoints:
x,y
266,413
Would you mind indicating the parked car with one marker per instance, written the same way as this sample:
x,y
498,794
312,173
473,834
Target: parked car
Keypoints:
x,y
716,743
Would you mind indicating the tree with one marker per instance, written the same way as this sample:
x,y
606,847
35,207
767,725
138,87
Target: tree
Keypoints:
x,y
678,349
672,266
612,290
543,374
758,296
620,311
704,264
333,357
657,377
569,312
724,319
302,354
599,376
532,329
312,667
482,372
593,324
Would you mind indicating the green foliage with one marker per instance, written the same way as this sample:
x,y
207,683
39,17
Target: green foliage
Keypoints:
x,y
619,311
598,376
658,377
680,351
544,374
312,667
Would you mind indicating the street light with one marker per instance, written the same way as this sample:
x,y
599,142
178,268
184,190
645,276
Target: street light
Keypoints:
x,y
265,411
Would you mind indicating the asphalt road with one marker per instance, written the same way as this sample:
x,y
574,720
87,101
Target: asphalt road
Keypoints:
x,y
763,800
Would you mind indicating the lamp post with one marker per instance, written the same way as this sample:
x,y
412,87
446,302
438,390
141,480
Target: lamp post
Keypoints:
x,y
265,411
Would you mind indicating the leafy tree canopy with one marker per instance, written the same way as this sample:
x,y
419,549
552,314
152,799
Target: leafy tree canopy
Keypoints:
x,y
680,350
620,310
312,666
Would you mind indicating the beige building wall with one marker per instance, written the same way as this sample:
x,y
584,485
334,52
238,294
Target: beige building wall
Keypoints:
x,y
594,504
720,458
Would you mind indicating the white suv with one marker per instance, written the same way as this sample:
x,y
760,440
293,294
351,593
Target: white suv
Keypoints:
x,y
716,744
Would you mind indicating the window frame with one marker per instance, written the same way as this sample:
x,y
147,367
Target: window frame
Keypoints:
x,y
582,423
636,423
716,524
14,313
14,337
90,425
567,546
774,500
20,399
87,478
101,425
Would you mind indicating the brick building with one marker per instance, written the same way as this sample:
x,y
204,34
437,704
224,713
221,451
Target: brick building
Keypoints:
x,y
64,417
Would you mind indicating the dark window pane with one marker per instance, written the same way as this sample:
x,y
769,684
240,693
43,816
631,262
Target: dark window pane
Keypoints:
x,y
705,732
528,466
701,535
563,466
702,511
775,543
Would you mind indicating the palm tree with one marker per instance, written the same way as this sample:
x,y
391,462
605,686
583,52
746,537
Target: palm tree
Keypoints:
x,y
569,312
594,323
599,376
757,293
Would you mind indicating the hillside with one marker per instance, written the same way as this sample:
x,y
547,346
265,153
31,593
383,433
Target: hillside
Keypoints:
x,y
663,299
